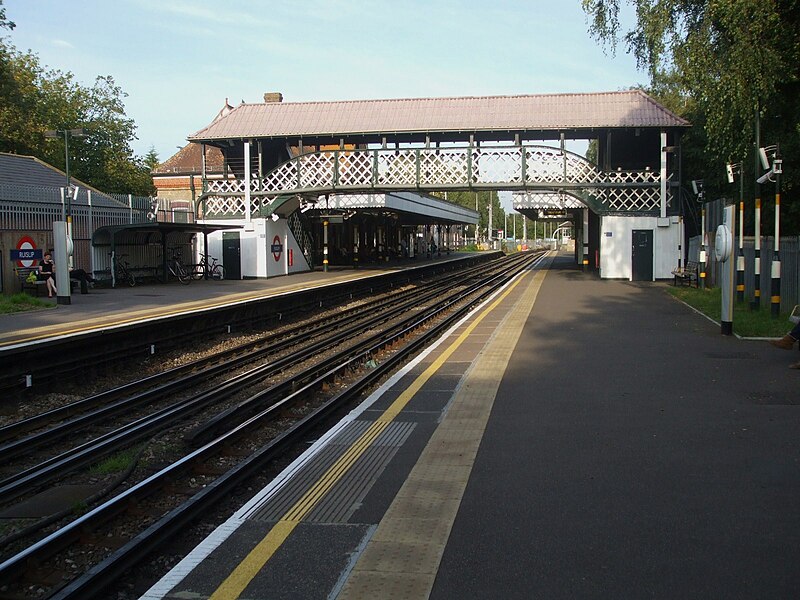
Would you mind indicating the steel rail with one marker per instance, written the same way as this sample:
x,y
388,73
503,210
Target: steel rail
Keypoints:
x,y
93,582
125,436
105,347
155,386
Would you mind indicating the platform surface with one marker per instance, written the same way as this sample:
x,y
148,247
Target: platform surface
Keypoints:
x,y
573,438
104,306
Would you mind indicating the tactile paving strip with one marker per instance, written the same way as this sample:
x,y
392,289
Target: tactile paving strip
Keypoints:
x,y
347,494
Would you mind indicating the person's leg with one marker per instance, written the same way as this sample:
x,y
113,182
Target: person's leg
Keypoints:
x,y
51,287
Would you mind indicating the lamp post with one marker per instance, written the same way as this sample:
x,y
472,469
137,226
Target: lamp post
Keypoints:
x,y
736,169
67,133
775,170
697,188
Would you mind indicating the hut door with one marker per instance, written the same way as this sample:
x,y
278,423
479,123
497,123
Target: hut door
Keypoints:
x,y
642,255
232,254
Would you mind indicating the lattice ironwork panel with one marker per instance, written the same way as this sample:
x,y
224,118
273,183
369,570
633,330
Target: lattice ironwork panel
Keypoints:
x,y
544,165
498,165
397,168
621,199
523,200
356,168
225,186
443,166
223,206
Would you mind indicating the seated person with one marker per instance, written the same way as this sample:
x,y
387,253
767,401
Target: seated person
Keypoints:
x,y
47,271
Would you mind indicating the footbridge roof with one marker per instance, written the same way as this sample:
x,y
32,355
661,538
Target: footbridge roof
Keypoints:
x,y
540,113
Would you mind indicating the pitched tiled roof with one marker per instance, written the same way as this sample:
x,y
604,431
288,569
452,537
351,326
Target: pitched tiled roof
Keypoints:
x,y
18,171
189,159
632,108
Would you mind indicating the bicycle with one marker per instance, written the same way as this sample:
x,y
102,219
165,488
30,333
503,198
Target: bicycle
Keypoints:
x,y
215,270
177,268
122,270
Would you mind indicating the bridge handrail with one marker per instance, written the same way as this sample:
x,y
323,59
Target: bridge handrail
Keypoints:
x,y
462,167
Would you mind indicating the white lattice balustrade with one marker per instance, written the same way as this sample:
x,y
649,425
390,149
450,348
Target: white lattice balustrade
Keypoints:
x,y
431,169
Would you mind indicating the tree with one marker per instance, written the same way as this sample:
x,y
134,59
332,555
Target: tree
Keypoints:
x,y
151,160
5,23
723,62
34,100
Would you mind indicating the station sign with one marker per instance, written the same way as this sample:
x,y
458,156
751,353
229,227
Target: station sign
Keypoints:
x,y
26,253
276,248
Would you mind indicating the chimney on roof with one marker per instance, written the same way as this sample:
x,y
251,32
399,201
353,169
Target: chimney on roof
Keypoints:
x,y
273,97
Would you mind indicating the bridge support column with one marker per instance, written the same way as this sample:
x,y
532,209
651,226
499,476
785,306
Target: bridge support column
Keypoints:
x,y
585,236
355,246
325,246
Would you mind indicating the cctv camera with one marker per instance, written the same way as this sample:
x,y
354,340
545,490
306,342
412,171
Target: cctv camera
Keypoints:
x,y
765,177
762,152
697,186
729,169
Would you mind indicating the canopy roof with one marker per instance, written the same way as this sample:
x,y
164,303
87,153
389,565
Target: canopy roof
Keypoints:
x,y
542,112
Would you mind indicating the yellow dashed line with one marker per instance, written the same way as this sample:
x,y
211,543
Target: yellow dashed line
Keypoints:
x,y
243,574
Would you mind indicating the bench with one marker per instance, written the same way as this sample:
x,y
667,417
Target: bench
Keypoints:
x,y
39,287
686,273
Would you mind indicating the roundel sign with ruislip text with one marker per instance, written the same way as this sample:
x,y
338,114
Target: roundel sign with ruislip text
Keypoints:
x,y
277,248
26,253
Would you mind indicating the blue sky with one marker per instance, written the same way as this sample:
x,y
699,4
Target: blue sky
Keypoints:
x,y
179,59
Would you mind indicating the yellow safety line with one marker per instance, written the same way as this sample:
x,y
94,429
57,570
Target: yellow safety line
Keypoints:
x,y
243,574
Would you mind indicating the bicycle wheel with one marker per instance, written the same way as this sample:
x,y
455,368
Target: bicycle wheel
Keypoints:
x,y
131,278
217,272
183,275
198,271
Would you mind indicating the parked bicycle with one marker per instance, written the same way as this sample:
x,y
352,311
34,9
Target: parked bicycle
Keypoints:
x,y
122,270
215,270
177,268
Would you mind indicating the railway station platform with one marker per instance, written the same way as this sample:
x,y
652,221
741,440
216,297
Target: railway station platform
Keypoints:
x,y
571,438
122,306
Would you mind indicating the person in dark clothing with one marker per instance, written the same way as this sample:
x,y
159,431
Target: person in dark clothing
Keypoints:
x,y
47,271
83,278
788,341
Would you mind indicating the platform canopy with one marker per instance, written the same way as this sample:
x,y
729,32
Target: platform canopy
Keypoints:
x,y
140,234
412,208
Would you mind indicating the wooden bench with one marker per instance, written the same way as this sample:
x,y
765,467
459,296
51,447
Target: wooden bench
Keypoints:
x,y
686,273
37,287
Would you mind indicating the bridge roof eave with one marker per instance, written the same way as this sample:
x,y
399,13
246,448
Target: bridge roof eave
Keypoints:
x,y
441,135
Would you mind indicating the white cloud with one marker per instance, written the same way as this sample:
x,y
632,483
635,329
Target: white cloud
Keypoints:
x,y
61,44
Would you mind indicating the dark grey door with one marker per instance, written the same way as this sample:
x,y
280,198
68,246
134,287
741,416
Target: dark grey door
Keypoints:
x,y
642,255
231,255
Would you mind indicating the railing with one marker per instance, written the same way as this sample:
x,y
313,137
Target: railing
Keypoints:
x,y
515,167
523,168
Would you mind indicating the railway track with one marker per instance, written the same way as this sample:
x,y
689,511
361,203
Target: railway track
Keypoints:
x,y
98,351
216,435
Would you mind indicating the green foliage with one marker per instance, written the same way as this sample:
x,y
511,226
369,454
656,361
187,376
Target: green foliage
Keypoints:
x,y
34,99
21,302
116,463
718,64
746,322
5,23
468,200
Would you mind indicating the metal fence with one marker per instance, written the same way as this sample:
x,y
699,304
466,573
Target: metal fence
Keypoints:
x,y
789,254
32,209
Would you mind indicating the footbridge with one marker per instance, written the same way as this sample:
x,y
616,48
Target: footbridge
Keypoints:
x,y
276,150
283,159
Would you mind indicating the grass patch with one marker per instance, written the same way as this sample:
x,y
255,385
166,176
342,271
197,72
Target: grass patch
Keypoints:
x,y
20,303
115,464
746,322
